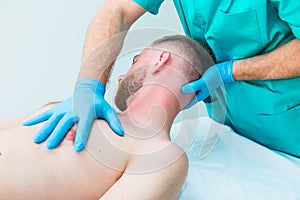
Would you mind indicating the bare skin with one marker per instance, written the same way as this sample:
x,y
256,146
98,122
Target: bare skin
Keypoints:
x,y
30,171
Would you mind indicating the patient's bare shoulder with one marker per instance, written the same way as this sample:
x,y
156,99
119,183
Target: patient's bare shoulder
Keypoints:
x,y
154,157
159,175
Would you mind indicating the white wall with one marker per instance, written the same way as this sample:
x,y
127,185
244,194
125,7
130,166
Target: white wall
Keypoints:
x,y
41,43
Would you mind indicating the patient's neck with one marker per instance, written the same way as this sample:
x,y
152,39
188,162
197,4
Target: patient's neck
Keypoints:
x,y
152,110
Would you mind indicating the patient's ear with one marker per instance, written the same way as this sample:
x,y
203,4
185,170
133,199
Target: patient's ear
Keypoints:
x,y
162,60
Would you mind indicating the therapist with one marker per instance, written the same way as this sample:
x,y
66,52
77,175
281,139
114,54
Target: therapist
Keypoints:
x,y
257,50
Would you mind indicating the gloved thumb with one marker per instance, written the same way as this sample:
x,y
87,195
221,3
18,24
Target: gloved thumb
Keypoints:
x,y
110,115
193,86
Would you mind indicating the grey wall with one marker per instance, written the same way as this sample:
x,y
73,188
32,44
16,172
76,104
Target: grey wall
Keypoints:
x,y
41,43
40,48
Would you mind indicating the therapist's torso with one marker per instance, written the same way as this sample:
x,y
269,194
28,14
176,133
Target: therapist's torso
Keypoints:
x,y
267,112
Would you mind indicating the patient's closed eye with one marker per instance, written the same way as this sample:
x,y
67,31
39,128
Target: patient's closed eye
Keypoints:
x,y
134,60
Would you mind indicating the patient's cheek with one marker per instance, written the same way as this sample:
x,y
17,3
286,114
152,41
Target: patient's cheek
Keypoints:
x,y
71,135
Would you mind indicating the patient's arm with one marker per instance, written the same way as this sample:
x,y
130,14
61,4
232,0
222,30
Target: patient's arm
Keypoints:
x,y
161,184
9,123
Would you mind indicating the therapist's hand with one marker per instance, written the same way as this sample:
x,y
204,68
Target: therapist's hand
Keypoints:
x,y
86,104
213,78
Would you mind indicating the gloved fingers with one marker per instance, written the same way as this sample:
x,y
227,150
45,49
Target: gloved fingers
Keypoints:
x,y
61,129
46,130
82,133
201,95
193,86
110,115
38,119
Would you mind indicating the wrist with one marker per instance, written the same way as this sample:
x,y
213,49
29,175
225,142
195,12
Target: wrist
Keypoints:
x,y
242,71
226,71
93,84
236,66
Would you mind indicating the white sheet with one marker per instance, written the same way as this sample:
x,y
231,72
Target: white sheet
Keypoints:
x,y
226,165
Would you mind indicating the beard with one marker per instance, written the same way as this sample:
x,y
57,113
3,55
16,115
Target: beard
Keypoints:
x,y
129,86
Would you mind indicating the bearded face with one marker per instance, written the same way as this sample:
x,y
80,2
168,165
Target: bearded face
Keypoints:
x,y
129,86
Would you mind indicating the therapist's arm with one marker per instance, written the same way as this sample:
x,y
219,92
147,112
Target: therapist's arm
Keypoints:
x,y
281,63
105,37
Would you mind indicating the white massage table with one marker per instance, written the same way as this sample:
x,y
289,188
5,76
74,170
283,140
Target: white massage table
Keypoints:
x,y
226,165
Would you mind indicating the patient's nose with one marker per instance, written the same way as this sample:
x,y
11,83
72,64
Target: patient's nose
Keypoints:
x,y
120,78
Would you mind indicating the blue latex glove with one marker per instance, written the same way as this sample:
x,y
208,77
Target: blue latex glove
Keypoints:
x,y
86,105
213,78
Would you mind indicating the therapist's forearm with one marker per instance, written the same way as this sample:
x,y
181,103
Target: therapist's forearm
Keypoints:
x,y
105,38
98,52
281,63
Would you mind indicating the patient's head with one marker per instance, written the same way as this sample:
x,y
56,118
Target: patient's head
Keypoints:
x,y
169,62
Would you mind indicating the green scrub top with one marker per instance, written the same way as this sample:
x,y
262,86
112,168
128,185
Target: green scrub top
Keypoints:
x,y
267,112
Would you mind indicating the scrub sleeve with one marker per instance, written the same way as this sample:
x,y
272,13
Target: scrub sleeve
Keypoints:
x,y
151,6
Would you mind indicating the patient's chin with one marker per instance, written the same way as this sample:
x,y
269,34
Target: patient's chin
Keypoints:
x,y
121,103
129,86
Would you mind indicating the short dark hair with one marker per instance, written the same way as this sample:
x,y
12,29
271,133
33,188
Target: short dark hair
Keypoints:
x,y
191,50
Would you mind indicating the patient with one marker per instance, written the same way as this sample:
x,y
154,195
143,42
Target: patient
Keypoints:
x,y
144,164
